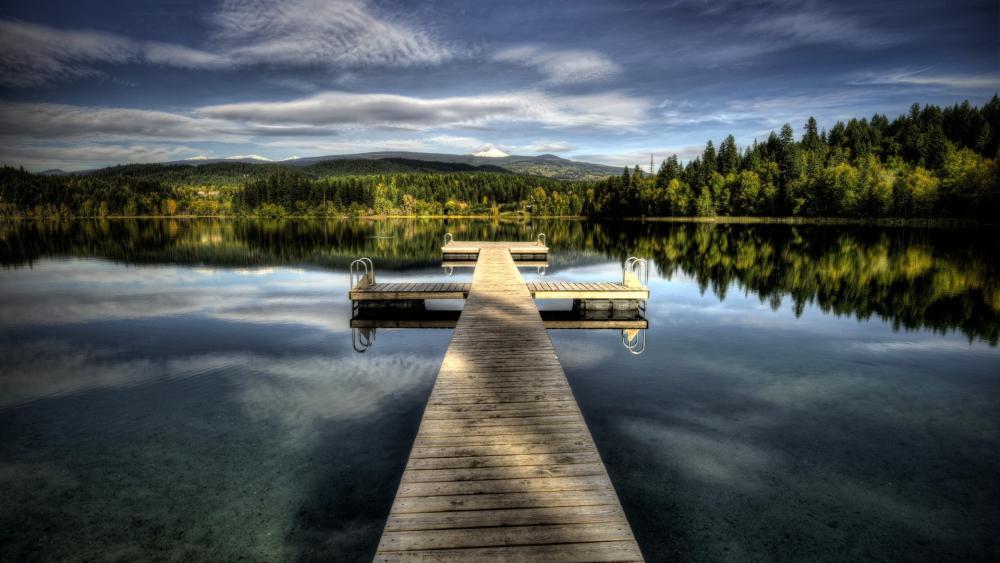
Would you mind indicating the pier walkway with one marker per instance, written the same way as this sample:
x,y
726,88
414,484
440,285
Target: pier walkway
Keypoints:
x,y
503,467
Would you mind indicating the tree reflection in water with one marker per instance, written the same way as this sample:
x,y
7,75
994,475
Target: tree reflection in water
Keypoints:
x,y
935,278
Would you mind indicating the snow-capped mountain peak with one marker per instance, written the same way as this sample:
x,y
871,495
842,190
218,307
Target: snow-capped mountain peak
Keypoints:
x,y
248,157
490,151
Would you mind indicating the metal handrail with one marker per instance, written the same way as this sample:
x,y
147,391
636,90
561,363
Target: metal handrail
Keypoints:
x,y
448,239
637,345
361,340
638,267
540,239
362,269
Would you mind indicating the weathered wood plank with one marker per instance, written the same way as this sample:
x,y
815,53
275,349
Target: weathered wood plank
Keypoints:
x,y
458,503
568,457
519,438
553,553
504,472
512,535
504,517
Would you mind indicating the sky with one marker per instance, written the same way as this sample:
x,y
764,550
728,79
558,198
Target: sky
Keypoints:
x,y
86,84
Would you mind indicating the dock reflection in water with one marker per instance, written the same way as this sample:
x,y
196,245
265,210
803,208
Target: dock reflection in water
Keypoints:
x,y
367,320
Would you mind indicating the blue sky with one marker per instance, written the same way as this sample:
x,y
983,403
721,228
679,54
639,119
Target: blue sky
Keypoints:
x,y
85,84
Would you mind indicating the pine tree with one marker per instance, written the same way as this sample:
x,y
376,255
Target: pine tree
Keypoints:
x,y
729,156
669,169
709,160
811,140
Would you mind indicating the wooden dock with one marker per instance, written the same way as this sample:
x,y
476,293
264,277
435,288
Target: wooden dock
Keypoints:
x,y
401,291
455,250
503,467
551,320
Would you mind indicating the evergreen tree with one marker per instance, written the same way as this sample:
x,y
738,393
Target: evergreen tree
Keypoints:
x,y
811,140
729,156
709,162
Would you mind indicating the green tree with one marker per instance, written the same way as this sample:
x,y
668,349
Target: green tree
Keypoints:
x,y
703,205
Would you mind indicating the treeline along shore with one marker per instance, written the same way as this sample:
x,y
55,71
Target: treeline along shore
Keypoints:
x,y
931,162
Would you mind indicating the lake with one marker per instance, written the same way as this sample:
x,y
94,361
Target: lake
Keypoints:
x,y
189,389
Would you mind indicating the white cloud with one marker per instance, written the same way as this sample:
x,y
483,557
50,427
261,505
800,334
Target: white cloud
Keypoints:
x,y
82,156
744,33
325,33
919,78
183,57
613,110
641,157
324,147
31,55
248,157
322,33
561,66
58,121
822,26
463,144
548,146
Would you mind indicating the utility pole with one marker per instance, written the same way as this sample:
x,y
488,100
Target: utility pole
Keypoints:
x,y
650,164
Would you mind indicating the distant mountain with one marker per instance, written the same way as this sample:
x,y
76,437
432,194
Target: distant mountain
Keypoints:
x,y
233,172
491,152
547,165
53,172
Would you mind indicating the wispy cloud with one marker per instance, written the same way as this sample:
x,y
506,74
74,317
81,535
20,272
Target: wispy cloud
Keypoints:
x,y
751,30
812,25
36,156
765,113
641,157
463,144
60,121
319,33
561,66
31,55
548,146
613,110
923,78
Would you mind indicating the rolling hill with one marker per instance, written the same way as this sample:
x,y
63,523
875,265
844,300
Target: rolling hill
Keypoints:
x,y
547,165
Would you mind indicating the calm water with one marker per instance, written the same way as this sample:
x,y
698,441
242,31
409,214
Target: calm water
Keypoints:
x,y
187,390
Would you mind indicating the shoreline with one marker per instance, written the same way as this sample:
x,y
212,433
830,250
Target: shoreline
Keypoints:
x,y
882,221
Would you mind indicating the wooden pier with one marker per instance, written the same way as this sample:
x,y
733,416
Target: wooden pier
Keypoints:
x,y
393,291
551,320
503,467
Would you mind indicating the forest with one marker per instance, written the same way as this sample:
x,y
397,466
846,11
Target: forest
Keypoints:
x,y
931,162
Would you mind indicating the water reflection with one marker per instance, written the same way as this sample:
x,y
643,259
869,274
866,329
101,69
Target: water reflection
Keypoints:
x,y
942,279
746,433
187,389
366,321
197,413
